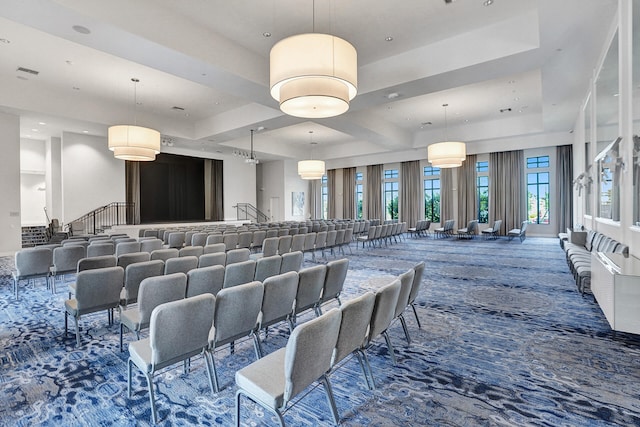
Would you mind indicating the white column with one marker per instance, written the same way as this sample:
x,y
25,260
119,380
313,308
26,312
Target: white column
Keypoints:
x,y
10,228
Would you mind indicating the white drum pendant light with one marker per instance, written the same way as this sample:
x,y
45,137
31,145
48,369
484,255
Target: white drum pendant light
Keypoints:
x,y
448,154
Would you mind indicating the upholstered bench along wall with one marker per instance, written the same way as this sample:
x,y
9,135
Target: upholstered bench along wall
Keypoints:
x,y
579,256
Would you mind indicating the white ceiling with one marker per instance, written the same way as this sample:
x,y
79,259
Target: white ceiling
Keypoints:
x,y
211,58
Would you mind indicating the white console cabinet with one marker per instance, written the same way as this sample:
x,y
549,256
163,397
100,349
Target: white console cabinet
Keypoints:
x,y
615,283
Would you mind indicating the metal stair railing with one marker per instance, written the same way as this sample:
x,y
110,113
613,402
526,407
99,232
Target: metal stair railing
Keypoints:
x,y
105,217
246,211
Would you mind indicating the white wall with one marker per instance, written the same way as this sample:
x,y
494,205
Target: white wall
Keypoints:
x,y
91,176
294,184
239,185
53,177
10,230
270,185
32,182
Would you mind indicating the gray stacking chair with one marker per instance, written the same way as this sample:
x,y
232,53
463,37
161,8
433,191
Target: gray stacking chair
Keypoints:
x,y
165,254
230,241
244,239
237,255
415,288
215,258
310,284
65,261
291,261
134,274
267,267
191,251
176,239
270,246
199,239
272,232
284,244
180,265
521,232
469,231
214,248
235,316
406,283
310,243
31,264
178,330
127,248
348,237
153,292
257,239
297,242
331,240
369,237
96,290
95,262
205,280
278,301
239,273
493,232
150,245
188,235
100,248
283,232
214,238
275,380
126,259
383,310
333,282
356,316
339,239
321,242
150,233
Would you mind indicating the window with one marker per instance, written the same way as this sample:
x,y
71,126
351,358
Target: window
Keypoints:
x,y
482,188
432,193
538,190
324,199
391,194
359,194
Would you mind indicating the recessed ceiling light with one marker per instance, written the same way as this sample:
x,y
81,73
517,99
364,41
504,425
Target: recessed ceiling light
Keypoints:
x,y
466,120
616,94
393,95
5,41
266,34
80,29
85,131
488,2
35,130
28,135
42,123
516,99
388,38
76,88
511,82
426,123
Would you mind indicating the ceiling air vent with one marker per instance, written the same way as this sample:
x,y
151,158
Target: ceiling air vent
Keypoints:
x,y
28,70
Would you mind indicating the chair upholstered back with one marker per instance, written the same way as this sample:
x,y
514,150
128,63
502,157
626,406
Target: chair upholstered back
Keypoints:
x,y
239,273
199,239
215,238
191,251
214,248
176,239
284,244
297,244
270,246
356,316
216,258
205,280
291,261
310,284
236,312
33,262
237,255
103,261
65,258
309,241
267,267
334,280
158,290
165,254
230,241
126,259
244,239
150,245
308,352
98,289
180,329
406,283
417,281
100,248
127,248
279,297
384,309
135,274
182,264
257,238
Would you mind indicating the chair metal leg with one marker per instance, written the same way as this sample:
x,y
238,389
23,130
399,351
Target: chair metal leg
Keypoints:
x,y
15,287
152,400
359,355
216,387
404,327
66,323
77,331
121,332
330,399
129,363
256,346
238,394
207,361
368,365
390,346
415,313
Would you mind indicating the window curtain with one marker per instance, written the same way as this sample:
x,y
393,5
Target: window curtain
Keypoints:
x,y
446,195
132,191
564,194
348,193
506,189
374,192
411,193
213,190
332,193
314,200
467,193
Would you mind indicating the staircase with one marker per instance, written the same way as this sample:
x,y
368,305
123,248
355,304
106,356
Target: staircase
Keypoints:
x,y
246,211
104,217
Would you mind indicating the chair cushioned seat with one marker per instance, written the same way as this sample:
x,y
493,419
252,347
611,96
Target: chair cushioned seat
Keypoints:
x,y
131,319
264,379
72,306
140,354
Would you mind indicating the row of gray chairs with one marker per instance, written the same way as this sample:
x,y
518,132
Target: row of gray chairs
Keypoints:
x,y
446,230
316,348
310,242
421,228
385,233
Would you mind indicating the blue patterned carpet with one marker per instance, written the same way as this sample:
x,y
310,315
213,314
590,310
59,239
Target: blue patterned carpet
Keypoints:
x,y
506,340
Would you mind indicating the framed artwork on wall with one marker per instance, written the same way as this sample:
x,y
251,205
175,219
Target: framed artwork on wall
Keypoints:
x,y
297,203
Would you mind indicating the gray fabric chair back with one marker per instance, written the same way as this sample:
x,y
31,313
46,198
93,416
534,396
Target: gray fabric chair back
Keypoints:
x,y
165,254
331,238
309,241
126,259
127,248
244,239
33,262
310,284
205,280
176,239
95,262
215,238
199,239
237,255
356,316
230,241
279,298
406,282
348,236
257,238
180,329
417,281
65,259
239,273
340,237
215,258
191,251
214,248
497,225
291,261
150,233
272,232
135,274
308,352
283,232
321,240
180,265
270,246
188,235
384,309
150,245
100,248
158,290
284,244
236,312
267,267
98,290
334,280
297,244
